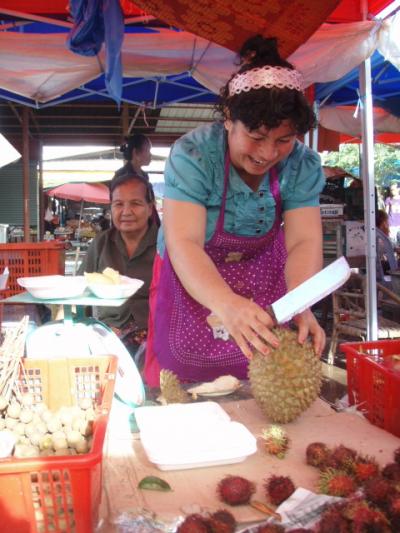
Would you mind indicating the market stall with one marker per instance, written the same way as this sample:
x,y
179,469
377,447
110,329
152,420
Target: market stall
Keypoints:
x,y
125,463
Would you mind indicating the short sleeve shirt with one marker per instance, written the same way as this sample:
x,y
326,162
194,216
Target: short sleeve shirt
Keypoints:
x,y
194,172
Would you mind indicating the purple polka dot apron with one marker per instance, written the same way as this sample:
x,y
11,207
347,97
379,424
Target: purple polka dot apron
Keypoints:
x,y
252,266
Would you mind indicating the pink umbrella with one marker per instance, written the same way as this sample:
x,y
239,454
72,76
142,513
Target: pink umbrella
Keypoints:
x,y
96,193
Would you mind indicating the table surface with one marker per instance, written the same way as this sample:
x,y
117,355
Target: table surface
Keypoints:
x,y
125,463
87,298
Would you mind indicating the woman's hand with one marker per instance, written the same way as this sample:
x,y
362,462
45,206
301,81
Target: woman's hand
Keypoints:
x,y
307,324
248,324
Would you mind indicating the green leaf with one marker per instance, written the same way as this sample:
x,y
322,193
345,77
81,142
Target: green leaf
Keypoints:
x,y
154,483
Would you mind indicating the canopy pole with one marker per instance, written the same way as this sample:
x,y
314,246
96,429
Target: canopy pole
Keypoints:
x,y
25,172
78,248
41,207
368,178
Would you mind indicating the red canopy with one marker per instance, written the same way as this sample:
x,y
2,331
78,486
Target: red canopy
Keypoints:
x,y
96,193
229,23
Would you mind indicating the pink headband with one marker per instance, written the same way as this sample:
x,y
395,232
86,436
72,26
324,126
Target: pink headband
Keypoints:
x,y
268,77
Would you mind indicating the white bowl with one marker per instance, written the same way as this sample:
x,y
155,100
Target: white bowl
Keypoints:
x,y
125,289
54,287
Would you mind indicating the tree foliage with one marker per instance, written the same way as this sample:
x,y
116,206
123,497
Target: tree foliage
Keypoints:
x,y
386,161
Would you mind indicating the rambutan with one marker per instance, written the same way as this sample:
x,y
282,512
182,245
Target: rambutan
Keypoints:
x,y
222,521
270,528
393,511
391,471
365,468
235,490
279,488
342,457
299,530
195,523
396,455
336,483
317,454
367,519
377,490
332,521
276,441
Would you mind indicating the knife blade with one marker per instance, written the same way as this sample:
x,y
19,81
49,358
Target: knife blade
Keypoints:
x,y
300,298
311,291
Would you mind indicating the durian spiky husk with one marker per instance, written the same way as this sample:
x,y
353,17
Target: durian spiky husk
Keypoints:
x,y
285,382
171,389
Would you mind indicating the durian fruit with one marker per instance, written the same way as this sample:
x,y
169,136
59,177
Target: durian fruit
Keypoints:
x,y
171,389
285,382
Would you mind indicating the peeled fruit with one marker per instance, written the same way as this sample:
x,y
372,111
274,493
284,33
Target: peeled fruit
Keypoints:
x,y
285,382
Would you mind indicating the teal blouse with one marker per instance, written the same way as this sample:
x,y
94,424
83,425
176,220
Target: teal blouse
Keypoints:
x,y
194,173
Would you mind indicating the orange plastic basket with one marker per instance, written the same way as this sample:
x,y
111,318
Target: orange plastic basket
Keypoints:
x,y
373,381
59,494
25,259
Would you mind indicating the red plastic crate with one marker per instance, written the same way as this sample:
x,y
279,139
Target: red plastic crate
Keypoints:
x,y
25,259
59,493
373,381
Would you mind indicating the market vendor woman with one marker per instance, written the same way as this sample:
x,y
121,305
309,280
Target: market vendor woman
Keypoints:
x,y
241,225
128,247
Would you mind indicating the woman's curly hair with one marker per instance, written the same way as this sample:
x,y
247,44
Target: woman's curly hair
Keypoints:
x,y
265,106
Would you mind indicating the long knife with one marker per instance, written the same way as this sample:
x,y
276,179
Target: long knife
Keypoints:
x,y
302,297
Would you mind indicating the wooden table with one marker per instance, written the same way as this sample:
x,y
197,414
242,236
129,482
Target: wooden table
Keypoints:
x,y
125,463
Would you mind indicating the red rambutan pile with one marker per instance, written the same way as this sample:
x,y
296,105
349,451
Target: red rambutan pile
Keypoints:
x,y
332,521
271,528
396,455
279,488
299,530
367,519
194,523
393,511
317,454
336,483
222,521
378,490
235,490
392,471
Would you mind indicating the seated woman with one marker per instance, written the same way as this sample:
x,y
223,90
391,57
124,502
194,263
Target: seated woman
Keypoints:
x,y
129,247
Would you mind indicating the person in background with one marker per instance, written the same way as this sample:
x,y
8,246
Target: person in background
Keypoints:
x,y
392,207
104,220
128,247
241,225
137,154
385,252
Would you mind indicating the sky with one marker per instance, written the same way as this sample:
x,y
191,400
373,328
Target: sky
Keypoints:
x,y
56,152
56,171
8,153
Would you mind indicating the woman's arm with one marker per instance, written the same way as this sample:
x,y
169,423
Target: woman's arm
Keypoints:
x,y
303,237
184,227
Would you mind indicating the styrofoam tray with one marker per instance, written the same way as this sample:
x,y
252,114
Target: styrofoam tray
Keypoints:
x,y
181,436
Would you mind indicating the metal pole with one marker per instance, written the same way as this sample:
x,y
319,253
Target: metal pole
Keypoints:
x,y
41,209
25,172
368,177
314,144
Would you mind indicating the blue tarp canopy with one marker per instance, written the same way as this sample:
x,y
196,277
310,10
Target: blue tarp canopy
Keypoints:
x,y
385,87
